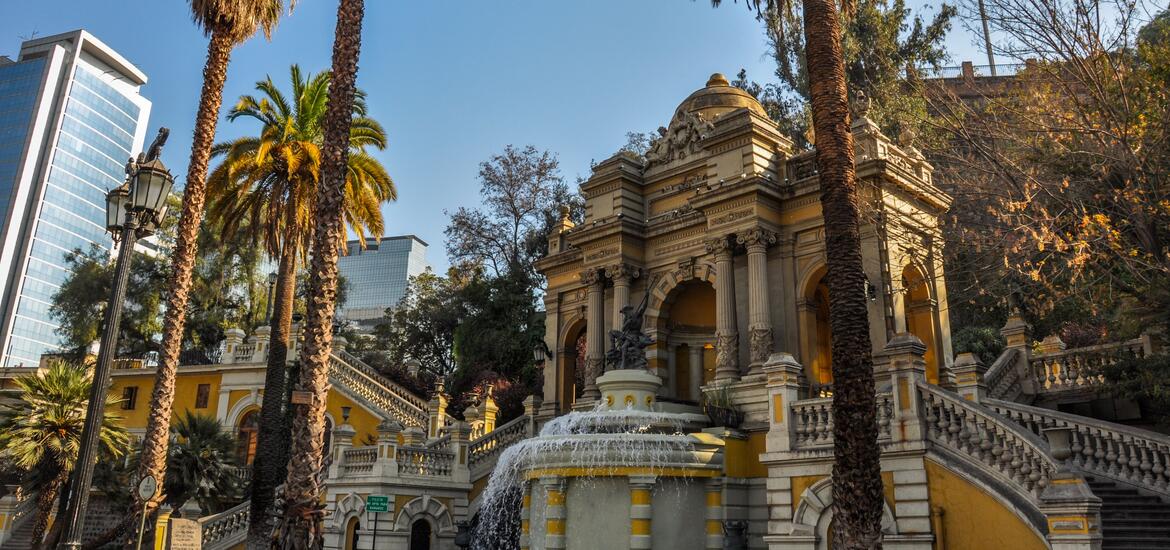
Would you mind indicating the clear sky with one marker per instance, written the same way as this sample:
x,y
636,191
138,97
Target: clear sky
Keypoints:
x,y
452,81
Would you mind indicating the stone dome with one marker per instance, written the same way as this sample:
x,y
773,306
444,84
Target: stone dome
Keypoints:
x,y
716,98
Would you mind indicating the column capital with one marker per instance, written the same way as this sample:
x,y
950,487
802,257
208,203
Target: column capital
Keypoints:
x,y
622,272
593,276
721,247
756,239
642,481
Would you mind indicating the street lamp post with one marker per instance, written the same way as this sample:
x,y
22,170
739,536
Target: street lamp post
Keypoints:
x,y
133,211
268,306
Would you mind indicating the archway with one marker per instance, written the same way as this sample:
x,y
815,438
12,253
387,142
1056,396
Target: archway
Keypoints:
x,y
351,533
420,535
689,315
918,309
246,436
571,362
816,334
814,514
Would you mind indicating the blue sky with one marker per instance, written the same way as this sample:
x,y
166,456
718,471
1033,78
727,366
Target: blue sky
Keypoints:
x,y
453,82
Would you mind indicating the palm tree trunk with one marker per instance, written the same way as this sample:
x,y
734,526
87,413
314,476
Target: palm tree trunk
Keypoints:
x,y
153,460
857,484
302,514
271,464
45,505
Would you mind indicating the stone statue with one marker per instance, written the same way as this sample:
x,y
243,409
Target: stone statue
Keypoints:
x,y
156,146
627,346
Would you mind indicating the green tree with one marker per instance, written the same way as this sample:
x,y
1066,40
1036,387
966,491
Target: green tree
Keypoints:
x,y
422,326
201,465
300,523
857,484
41,432
266,187
227,23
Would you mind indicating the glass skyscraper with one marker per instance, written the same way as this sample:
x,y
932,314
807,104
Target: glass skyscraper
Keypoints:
x,y
70,116
376,277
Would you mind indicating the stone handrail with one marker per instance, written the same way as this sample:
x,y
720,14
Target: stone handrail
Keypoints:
x,y
1080,367
421,461
495,441
227,528
245,353
813,421
23,511
244,473
367,384
1130,455
1004,380
393,386
977,434
359,460
440,443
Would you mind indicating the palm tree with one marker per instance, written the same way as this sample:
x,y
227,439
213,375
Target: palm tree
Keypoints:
x,y
41,432
300,525
202,464
268,185
227,23
857,483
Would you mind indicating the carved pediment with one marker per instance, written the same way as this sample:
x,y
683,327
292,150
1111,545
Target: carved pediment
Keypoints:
x,y
680,140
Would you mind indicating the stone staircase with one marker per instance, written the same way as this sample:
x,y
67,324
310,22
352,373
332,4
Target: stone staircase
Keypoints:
x,y
21,537
380,394
1131,520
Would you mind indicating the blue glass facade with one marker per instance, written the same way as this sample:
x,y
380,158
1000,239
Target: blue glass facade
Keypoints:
x,y
58,158
376,277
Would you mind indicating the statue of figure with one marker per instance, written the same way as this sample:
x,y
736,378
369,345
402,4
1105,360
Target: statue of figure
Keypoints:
x,y
156,146
627,346
659,148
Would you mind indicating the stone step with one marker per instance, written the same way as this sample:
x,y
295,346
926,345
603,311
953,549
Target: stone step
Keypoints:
x,y
1129,542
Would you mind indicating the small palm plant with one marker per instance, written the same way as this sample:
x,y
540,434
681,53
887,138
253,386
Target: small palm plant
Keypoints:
x,y
40,432
201,465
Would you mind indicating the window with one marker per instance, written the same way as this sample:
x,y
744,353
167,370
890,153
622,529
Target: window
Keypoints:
x,y
129,397
202,393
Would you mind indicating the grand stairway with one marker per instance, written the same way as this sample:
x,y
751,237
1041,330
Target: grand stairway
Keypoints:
x,y
1129,519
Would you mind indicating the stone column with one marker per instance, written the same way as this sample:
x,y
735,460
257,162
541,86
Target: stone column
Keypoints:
x,y
388,431
460,443
907,367
595,327
726,334
525,514
784,380
621,275
757,242
342,441
232,338
640,511
554,512
714,515
490,410
696,369
668,378
437,411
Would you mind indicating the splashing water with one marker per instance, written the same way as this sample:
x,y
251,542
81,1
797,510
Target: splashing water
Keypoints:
x,y
595,443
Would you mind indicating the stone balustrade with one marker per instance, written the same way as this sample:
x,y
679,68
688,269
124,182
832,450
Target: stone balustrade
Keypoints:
x,y
366,384
1065,369
813,421
975,433
1003,379
423,461
360,460
225,529
1126,454
493,443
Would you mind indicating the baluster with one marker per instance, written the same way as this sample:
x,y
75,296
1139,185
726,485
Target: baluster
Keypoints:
x,y
831,421
1135,460
1110,455
954,425
1099,451
1159,469
978,439
1146,465
1016,462
932,417
1076,458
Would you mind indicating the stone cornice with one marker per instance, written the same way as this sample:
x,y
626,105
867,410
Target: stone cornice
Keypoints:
x,y
587,233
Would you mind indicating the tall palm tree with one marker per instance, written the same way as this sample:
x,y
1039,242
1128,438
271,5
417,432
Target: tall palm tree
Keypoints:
x,y
201,464
41,432
300,524
268,186
857,483
227,23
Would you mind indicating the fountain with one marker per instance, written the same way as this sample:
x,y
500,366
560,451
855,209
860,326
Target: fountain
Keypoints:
x,y
623,475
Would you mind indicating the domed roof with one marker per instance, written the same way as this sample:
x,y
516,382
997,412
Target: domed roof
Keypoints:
x,y
717,98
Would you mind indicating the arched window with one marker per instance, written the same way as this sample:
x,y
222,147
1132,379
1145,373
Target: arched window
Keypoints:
x,y
918,308
246,436
420,535
351,533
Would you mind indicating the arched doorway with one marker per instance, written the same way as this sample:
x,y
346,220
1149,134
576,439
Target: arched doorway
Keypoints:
x,y
572,365
918,309
689,315
420,535
246,436
351,533
817,335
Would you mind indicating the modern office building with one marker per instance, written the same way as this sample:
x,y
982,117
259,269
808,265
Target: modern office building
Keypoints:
x,y
70,116
377,275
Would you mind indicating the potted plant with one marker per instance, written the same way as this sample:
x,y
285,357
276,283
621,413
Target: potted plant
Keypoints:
x,y
718,407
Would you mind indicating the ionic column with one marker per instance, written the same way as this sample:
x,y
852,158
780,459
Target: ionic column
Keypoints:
x,y
696,368
714,513
640,511
595,330
525,515
757,242
622,275
671,374
554,512
726,334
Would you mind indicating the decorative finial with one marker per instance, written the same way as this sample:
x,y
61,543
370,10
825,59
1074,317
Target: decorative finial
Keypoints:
x,y
564,212
717,79
861,104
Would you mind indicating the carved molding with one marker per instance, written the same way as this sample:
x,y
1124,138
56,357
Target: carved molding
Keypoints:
x,y
760,344
756,238
592,276
622,271
726,348
721,247
680,140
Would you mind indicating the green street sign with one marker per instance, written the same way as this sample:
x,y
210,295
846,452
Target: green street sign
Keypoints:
x,y
377,503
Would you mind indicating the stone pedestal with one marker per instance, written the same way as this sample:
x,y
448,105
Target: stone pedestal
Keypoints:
x,y
633,389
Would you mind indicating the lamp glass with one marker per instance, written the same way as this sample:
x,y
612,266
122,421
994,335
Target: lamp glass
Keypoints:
x,y
538,352
152,185
117,204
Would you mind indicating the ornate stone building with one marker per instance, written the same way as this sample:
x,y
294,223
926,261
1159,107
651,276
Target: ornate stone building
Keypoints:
x,y
721,221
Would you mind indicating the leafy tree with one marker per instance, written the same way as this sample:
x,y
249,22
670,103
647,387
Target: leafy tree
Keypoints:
x,y
985,342
422,326
201,465
79,302
40,432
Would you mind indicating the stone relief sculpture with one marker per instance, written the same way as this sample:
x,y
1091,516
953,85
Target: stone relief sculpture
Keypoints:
x,y
681,139
627,346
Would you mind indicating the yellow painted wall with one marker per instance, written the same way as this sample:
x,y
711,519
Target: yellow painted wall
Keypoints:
x,y
973,519
741,457
802,483
364,423
186,388
695,306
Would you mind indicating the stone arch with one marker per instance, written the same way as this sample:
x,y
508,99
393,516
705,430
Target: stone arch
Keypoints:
x,y
682,366
348,507
663,284
918,309
240,408
574,327
814,514
813,325
425,507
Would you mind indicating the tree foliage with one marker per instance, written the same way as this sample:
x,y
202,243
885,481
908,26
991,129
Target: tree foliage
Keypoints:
x,y
201,464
